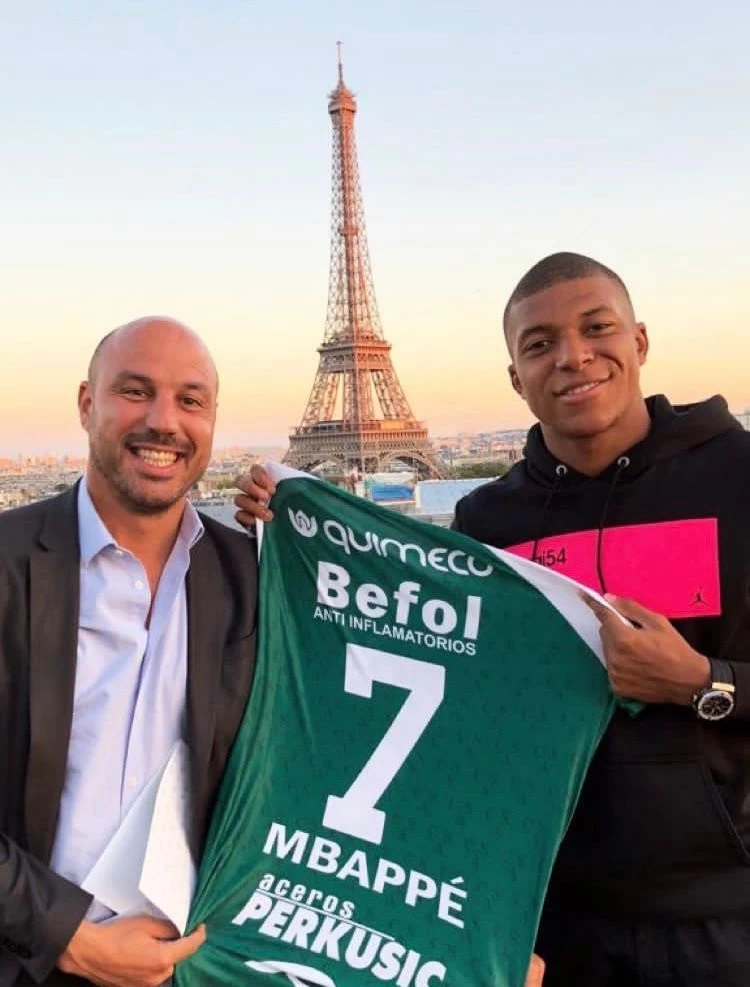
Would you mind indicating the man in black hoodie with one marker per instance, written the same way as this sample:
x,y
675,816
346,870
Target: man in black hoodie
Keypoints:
x,y
649,502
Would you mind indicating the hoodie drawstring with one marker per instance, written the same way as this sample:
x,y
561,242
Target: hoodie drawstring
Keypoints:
x,y
622,464
560,471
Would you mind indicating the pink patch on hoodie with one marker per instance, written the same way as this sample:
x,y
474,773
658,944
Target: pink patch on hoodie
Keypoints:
x,y
671,567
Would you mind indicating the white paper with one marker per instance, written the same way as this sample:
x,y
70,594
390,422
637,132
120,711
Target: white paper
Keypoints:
x,y
113,880
168,874
146,867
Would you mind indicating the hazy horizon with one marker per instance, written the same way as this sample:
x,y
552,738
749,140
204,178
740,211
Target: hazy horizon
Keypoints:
x,y
176,159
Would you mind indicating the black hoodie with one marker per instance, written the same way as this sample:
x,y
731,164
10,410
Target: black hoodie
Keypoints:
x,y
662,828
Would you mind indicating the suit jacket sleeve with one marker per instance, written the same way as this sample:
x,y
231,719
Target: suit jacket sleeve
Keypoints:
x,y
39,910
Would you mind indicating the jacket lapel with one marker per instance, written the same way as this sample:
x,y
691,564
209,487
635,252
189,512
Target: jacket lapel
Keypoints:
x,y
205,647
53,607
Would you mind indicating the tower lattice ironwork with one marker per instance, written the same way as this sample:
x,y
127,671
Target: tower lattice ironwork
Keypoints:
x,y
357,416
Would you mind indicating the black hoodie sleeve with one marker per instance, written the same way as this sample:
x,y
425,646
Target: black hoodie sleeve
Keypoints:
x,y
741,690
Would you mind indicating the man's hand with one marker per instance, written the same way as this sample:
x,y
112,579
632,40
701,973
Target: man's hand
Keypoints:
x,y
535,972
649,662
128,952
257,489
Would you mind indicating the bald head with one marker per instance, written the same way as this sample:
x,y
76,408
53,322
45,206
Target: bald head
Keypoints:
x,y
155,328
149,407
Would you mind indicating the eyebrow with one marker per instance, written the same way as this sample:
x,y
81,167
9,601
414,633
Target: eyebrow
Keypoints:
x,y
546,326
597,310
127,375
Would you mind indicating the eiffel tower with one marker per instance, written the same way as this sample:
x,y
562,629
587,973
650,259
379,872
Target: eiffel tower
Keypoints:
x,y
357,418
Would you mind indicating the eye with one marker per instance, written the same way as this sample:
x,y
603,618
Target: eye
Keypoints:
x,y
192,402
134,392
599,327
536,346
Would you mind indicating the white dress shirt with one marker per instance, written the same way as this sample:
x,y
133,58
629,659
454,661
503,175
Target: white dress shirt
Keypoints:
x,y
130,687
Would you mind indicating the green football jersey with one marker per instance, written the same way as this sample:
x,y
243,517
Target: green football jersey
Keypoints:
x,y
423,714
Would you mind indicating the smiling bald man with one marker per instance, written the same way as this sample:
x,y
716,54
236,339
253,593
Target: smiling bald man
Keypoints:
x,y
127,624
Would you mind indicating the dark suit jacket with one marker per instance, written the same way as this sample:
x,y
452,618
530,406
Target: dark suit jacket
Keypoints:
x,y
39,593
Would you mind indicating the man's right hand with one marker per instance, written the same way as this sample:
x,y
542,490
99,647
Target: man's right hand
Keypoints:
x,y
257,489
128,952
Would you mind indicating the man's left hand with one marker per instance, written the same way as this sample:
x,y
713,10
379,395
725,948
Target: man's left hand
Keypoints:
x,y
650,661
535,973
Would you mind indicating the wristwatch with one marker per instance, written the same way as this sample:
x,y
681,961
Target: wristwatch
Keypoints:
x,y
716,700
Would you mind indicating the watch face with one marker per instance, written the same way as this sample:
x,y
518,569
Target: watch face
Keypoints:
x,y
715,704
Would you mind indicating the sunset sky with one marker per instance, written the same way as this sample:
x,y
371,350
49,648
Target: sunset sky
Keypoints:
x,y
174,157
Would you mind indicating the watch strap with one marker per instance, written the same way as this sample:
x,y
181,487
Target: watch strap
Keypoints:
x,y
722,673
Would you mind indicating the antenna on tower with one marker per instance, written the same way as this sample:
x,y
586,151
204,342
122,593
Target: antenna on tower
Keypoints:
x,y
339,47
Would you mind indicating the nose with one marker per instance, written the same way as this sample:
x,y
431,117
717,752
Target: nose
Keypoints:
x,y
162,414
573,351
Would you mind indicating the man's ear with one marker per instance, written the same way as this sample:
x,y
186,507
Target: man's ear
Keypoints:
x,y
84,403
641,341
515,380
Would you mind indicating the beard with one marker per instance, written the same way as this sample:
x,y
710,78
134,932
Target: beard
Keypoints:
x,y
128,489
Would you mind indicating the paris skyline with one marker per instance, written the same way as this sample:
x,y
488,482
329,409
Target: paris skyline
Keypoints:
x,y
178,161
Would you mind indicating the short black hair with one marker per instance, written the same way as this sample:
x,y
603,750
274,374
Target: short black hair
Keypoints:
x,y
563,266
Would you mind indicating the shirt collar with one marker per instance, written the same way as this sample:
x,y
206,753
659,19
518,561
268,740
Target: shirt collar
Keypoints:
x,y
191,526
93,535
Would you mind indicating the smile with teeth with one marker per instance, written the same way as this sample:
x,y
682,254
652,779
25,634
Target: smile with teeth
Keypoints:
x,y
581,388
156,458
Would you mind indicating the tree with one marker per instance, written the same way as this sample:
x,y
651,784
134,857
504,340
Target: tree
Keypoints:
x,y
487,468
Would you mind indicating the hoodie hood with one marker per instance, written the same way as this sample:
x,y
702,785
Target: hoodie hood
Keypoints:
x,y
674,429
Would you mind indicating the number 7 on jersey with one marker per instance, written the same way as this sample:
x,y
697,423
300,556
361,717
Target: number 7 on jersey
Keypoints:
x,y
354,812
